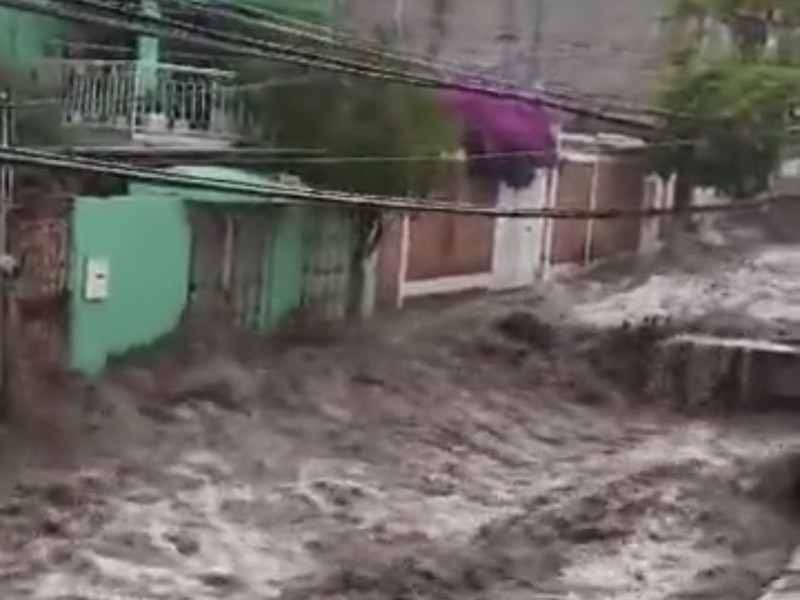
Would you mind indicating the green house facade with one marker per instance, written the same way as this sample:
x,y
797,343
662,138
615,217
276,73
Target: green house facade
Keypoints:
x,y
26,37
141,263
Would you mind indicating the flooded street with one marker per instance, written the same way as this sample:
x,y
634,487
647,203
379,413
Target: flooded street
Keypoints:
x,y
462,453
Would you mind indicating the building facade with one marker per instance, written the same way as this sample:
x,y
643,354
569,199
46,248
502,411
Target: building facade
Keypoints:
x,y
111,269
425,254
609,48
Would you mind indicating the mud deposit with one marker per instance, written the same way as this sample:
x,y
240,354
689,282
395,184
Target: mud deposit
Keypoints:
x,y
490,451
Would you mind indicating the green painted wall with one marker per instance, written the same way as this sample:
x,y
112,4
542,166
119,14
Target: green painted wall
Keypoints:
x,y
285,265
24,37
146,240
329,280
285,256
149,49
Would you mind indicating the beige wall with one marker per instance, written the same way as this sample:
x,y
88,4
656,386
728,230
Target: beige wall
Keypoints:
x,y
443,245
448,252
390,257
591,182
620,186
573,193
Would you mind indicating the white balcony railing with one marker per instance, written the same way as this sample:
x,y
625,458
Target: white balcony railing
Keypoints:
x,y
161,99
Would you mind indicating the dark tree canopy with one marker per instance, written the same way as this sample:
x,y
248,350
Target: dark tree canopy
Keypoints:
x,y
345,115
729,107
727,124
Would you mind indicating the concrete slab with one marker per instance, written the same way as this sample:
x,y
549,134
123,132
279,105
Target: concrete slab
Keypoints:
x,y
698,370
745,344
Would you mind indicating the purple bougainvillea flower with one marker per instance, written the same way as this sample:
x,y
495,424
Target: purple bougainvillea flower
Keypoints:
x,y
504,125
522,131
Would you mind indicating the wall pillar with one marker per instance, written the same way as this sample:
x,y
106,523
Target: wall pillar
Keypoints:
x,y
148,50
402,272
587,257
369,291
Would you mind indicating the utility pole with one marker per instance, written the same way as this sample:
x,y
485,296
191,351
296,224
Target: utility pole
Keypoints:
x,y
6,197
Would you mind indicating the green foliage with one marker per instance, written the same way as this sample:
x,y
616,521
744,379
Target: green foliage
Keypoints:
x,y
726,123
728,110
727,8
773,9
348,115
750,24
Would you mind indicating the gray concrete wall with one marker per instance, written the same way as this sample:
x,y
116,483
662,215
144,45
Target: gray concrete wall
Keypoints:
x,y
607,47
787,180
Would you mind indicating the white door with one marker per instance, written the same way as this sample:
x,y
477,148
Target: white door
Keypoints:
x,y
519,242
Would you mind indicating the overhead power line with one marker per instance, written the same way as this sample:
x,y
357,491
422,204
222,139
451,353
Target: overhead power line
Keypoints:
x,y
561,45
262,18
296,194
561,99
547,93
274,21
184,152
497,85
86,11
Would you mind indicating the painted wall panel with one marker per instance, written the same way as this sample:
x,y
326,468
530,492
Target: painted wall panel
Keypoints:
x,y
25,37
328,282
390,262
146,240
250,251
147,237
620,185
574,192
445,245
207,258
283,279
283,252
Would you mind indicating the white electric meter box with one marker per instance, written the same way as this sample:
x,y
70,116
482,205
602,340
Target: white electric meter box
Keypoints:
x,y
98,270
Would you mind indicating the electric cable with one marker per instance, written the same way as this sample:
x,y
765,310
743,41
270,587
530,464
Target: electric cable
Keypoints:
x,y
292,193
145,24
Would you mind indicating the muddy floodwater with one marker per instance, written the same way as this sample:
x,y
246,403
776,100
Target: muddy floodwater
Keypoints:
x,y
478,451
